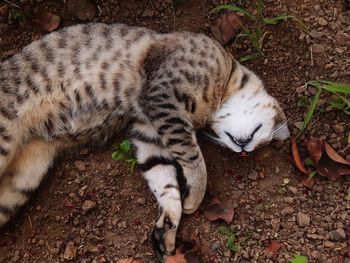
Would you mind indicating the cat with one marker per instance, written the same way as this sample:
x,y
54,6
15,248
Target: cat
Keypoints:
x,y
83,83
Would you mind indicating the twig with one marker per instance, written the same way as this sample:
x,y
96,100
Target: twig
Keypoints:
x,y
30,222
311,57
335,210
47,244
10,3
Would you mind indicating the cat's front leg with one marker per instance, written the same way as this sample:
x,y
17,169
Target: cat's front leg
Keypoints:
x,y
161,173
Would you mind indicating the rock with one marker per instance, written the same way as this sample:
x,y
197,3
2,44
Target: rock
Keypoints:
x,y
338,128
275,223
16,256
289,200
287,211
80,165
322,22
141,201
303,219
316,34
319,48
70,252
147,13
253,176
328,244
337,235
293,189
215,246
89,205
81,9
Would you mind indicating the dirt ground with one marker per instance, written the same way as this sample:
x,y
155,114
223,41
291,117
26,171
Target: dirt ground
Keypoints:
x,y
123,211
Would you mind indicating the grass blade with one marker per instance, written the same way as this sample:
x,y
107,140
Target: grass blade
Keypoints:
x,y
331,86
310,112
233,8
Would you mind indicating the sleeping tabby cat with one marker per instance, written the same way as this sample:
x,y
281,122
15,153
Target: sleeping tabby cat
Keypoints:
x,y
83,83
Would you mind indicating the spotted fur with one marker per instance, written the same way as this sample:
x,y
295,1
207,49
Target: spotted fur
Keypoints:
x,y
83,83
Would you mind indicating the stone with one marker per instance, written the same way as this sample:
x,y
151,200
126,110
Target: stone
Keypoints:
x,y
337,235
338,128
319,48
303,219
81,9
141,201
287,211
293,189
70,252
215,246
253,175
148,13
276,224
80,165
289,200
89,205
322,22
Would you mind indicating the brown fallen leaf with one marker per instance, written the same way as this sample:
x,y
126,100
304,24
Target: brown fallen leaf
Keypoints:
x,y
315,149
47,20
226,27
129,260
274,247
218,209
186,252
328,162
296,157
308,181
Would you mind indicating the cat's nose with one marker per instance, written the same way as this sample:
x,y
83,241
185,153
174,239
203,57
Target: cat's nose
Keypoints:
x,y
242,141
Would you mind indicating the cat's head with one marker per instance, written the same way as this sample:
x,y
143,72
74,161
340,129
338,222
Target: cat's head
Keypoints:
x,y
250,117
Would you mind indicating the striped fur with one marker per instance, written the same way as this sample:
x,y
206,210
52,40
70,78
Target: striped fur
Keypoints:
x,y
83,83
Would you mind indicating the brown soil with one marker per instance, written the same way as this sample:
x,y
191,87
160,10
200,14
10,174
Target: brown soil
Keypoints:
x,y
266,208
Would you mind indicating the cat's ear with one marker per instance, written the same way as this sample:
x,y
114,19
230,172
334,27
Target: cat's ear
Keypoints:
x,y
282,132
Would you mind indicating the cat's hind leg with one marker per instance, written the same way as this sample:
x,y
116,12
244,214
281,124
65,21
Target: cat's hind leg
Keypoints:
x,y
23,176
161,172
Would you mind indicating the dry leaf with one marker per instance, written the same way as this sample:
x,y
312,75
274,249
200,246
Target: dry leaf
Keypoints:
x,y
274,247
315,148
328,162
296,157
226,27
186,252
308,181
48,20
219,210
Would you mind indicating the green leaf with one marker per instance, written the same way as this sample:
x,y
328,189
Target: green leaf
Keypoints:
x,y
276,19
331,86
224,231
309,162
133,165
118,156
233,8
299,259
125,146
310,112
312,174
250,57
231,243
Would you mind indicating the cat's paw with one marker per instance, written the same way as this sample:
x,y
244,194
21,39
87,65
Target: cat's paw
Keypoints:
x,y
196,183
164,234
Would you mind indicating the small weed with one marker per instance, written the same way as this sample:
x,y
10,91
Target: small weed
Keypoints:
x,y
256,33
231,238
341,92
15,16
123,154
299,259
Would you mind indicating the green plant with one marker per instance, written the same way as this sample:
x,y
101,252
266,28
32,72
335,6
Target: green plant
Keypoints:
x,y
299,259
340,91
123,154
231,238
15,16
256,33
